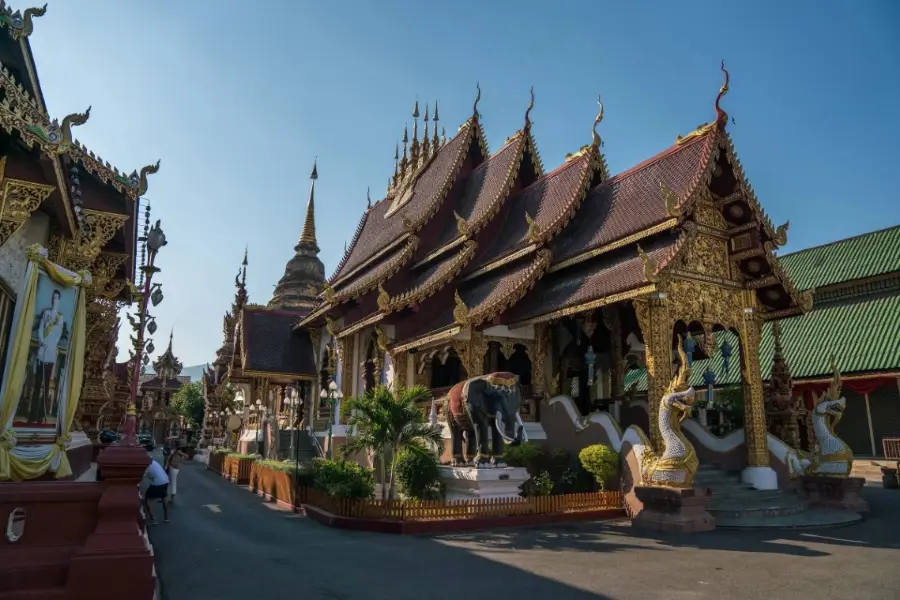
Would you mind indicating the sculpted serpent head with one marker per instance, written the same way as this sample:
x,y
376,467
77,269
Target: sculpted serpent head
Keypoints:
x,y
832,404
680,392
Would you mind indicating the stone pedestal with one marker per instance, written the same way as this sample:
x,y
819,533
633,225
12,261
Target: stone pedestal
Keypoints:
x,y
465,483
835,492
673,509
117,553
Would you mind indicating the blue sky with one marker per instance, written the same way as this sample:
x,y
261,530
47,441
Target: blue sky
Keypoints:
x,y
237,98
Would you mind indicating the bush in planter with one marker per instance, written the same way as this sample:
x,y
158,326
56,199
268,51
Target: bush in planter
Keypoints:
x,y
343,479
575,480
600,461
417,470
527,455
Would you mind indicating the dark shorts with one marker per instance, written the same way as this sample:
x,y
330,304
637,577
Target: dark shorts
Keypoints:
x,y
157,491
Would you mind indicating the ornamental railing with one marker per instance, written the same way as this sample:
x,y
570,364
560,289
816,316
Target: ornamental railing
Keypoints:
x,y
394,510
891,447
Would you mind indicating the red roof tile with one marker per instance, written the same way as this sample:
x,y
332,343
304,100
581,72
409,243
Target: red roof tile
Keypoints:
x,y
548,201
380,228
492,294
273,346
377,272
485,189
590,280
433,278
632,201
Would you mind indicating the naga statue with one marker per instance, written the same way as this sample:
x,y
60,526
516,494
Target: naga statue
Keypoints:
x,y
488,403
831,457
677,465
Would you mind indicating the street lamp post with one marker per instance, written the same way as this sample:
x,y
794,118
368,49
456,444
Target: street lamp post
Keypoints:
x,y
155,239
292,399
259,411
334,396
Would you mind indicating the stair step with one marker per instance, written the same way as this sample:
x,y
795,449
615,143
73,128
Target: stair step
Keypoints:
x,y
808,519
752,496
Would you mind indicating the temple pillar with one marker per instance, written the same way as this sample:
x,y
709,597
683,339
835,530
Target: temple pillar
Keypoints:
x,y
398,370
656,329
758,471
347,351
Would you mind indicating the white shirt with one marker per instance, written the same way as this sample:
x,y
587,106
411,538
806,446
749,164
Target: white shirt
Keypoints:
x,y
50,330
156,475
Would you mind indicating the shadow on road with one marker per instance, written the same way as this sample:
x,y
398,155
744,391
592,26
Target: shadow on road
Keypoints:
x,y
226,543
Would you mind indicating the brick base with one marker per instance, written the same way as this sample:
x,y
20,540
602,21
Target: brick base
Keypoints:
x,y
835,492
672,509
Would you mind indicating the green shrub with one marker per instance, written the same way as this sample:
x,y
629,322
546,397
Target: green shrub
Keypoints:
x,y
574,480
222,451
600,461
543,484
527,455
343,479
240,455
418,473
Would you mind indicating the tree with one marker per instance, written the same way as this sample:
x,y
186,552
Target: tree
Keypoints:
x,y
387,422
188,402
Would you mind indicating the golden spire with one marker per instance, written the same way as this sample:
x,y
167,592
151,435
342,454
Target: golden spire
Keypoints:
x,y
721,115
426,144
404,161
308,236
414,146
435,141
528,111
396,179
597,141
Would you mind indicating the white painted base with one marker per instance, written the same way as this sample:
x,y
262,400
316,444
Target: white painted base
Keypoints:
x,y
761,478
463,483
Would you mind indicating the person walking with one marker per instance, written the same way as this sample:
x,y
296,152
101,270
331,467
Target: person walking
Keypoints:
x,y
173,466
157,490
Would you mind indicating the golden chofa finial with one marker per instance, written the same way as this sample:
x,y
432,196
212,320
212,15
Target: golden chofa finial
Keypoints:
x,y
477,100
781,233
682,381
68,122
460,310
414,146
528,111
596,136
673,202
721,115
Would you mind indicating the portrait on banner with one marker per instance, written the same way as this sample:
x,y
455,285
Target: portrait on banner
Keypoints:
x,y
47,368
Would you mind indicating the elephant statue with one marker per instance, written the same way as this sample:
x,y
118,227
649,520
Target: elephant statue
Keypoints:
x,y
488,403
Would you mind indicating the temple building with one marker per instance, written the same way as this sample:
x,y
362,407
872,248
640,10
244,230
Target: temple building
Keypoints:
x,y
262,358
155,416
855,284
58,194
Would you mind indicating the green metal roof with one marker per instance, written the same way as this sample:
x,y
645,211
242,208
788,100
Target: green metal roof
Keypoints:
x,y
864,337
866,255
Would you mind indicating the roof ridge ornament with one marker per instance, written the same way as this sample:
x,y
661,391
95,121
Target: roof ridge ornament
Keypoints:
x,y
460,311
781,233
650,265
673,202
721,115
477,100
528,111
597,141
384,299
534,235
462,226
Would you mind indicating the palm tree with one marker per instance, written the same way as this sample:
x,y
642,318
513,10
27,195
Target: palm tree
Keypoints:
x,y
385,422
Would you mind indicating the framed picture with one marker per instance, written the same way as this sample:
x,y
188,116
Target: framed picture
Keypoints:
x,y
48,363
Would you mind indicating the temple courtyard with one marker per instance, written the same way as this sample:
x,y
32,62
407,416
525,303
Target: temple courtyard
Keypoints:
x,y
225,543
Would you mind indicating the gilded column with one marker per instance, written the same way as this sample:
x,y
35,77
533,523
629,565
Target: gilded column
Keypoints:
x,y
653,319
539,360
754,401
477,349
398,360
347,353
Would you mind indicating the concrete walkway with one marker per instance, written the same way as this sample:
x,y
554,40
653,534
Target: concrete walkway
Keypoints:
x,y
224,543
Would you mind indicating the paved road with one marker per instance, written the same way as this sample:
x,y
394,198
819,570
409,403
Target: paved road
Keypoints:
x,y
224,543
